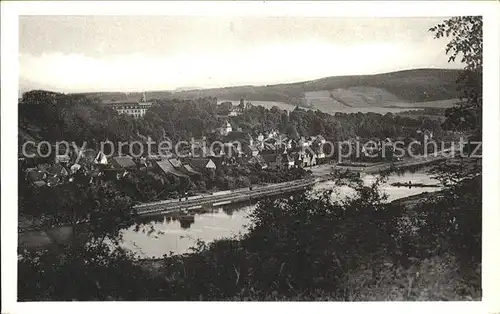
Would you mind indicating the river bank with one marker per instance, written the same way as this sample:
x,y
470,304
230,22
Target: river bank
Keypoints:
x,y
406,203
178,232
320,173
432,277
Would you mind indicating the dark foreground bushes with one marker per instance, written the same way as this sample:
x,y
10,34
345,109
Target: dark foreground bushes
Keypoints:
x,y
300,248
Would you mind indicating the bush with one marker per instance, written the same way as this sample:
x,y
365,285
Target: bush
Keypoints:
x,y
302,247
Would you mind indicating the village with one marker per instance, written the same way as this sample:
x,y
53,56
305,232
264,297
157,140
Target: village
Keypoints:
x,y
267,151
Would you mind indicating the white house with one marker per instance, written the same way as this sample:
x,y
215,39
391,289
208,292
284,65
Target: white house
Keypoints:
x,y
226,128
273,134
101,159
303,142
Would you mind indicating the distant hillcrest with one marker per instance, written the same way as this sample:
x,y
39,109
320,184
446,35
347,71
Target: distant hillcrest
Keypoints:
x,y
409,86
186,88
430,87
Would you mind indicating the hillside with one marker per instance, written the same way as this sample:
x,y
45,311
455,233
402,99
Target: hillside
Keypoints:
x,y
359,91
420,88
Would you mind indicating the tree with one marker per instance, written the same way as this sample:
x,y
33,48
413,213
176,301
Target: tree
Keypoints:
x,y
466,42
291,131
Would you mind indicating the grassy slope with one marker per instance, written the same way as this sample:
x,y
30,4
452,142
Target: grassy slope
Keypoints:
x,y
405,86
379,90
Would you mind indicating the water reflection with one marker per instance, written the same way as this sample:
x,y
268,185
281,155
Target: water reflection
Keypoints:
x,y
176,232
186,221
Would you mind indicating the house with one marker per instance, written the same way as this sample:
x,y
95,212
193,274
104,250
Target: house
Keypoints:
x,y
233,150
305,159
303,142
320,155
219,161
86,156
258,161
227,108
52,181
268,148
64,159
142,163
43,167
370,150
109,174
224,108
250,150
271,141
320,139
202,164
36,177
272,134
33,175
274,161
57,170
429,135
249,139
284,143
226,128
313,158
101,159
191,171
198,150
166,168
387,151
181,168
123,162
39,183
156,157
75,168
259,145
242,106
288,161
424,135
94,174
176,163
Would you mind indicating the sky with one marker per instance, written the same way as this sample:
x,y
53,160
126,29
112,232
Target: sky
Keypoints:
x,y
135,53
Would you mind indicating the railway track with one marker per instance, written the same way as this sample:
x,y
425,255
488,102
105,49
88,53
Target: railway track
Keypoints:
x,y
225,198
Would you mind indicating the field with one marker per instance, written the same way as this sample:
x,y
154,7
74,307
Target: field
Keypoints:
x,y
381,93
389,92
331,106
366,99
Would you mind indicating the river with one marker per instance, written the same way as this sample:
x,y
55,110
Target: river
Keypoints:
x,y
174,233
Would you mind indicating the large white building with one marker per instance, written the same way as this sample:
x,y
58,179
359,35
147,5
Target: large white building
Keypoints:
x,y
135,109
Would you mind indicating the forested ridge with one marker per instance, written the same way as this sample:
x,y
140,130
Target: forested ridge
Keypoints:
x,y
408,85
56,117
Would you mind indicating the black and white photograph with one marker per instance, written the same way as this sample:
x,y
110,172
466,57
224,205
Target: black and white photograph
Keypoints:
x,y
251,157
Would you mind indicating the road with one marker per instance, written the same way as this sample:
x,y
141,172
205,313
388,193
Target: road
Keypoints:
x,y
224,197
409,162
320,173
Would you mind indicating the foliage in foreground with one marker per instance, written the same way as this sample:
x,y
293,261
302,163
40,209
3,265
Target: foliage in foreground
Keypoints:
x,y
301,248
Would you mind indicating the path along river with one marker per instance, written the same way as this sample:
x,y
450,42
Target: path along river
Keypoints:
x,y
162,234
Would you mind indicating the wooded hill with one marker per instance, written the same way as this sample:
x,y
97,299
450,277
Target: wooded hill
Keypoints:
x,y
380,90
